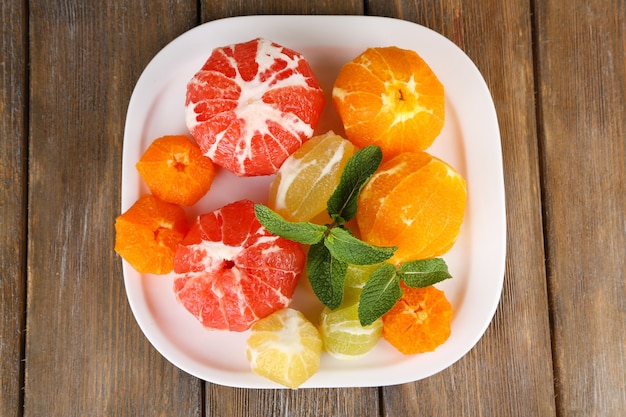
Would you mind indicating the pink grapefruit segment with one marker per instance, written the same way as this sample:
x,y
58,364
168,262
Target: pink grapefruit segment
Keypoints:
x,y
230,271
252,105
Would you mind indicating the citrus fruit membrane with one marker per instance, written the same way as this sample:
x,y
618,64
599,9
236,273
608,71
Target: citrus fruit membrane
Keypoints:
x,y
389,97
230,271
147,234
420,321
343,335
416,202
308,177
284,347
252,104
175,170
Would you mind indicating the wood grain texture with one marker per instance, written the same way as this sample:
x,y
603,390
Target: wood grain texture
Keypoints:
x,y
13,183
212,10
68,341
582,103
357,402
85,355
509,372
226,401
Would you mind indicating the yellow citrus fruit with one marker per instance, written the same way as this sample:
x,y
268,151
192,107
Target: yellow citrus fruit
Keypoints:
x,y
416,202
309,176
284,347
356,278
343,336
389,97
357,275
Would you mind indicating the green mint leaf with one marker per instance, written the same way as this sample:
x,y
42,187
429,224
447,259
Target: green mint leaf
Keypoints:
x,y
381,292
424,273
303,232
342,204
326,275
347,248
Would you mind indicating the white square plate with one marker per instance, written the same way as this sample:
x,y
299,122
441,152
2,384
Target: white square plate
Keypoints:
x,y
470,142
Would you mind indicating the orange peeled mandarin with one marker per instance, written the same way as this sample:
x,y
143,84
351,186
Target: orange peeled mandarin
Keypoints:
x,y
231,272
175,170
416,202
252,104
389,97
419,322
147,234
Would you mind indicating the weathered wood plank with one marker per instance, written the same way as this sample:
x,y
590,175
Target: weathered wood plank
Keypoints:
x,y
582,103
345,402
85,354
509,372
217,10
13,183
222,401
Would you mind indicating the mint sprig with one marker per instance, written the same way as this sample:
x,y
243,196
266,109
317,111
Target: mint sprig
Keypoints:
x,y
382,291
327,275
347,248
424,273
303,232
333,247
342,204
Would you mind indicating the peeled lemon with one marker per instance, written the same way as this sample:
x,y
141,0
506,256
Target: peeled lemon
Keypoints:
x,y
306,180
284,347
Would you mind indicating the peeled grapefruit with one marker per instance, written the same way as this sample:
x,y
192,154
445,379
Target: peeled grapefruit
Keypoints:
x,y
230,271
252,105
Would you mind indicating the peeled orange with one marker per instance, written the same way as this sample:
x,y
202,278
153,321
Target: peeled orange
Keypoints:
x,y
420,321
389,97
147,234
416,202
175,170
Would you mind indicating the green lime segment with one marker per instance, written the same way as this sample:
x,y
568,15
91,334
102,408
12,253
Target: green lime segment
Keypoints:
x,y
343,336
356,277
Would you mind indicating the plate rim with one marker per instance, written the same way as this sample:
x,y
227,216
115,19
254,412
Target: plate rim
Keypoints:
x,y
497,184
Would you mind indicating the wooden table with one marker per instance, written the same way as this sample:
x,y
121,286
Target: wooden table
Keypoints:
x,y
68,340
